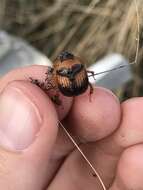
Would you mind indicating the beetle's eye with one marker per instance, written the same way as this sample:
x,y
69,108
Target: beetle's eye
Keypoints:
x,y
63,72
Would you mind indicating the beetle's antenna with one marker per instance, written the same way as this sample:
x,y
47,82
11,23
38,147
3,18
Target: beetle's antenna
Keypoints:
x,y
119,67
83,155
137,46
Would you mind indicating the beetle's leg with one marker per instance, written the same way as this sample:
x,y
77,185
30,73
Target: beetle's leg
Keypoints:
x,y
49,73
38,83
49,70
92,74
44,86
90,91
55,98
47,86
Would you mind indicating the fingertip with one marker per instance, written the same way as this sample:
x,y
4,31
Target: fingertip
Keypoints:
x,y
130,131
95,119
130,169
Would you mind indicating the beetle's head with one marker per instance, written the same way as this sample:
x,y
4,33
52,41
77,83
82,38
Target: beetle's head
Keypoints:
x,y
65,55
68,65
70,72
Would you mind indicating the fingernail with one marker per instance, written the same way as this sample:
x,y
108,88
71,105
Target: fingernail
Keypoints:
x,y
20,119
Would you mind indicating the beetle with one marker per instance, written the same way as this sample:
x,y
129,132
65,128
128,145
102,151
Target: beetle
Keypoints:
x,y
68,76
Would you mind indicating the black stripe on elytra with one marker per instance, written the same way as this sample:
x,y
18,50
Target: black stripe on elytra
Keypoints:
x,y
70,72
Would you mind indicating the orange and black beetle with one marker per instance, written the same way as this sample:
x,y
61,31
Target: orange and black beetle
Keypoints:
x,y
68,75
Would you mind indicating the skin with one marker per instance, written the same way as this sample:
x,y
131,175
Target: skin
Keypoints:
x,y
109,133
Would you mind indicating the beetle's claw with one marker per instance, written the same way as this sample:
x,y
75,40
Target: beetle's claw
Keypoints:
x,y
56,100
38,83
91,91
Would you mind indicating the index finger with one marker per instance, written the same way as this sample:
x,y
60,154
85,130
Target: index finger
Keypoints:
x,y
95,119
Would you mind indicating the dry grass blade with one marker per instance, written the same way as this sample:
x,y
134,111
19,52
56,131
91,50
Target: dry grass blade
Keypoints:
x,y
83,155
44,16
138,32
73,30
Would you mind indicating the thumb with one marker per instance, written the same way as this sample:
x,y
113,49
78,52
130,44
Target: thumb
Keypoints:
x,y
28,129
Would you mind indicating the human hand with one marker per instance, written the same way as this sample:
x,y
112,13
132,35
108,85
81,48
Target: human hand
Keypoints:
x,y
35,153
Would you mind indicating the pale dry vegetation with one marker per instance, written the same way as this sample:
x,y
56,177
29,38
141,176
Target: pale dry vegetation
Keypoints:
x,y
89,28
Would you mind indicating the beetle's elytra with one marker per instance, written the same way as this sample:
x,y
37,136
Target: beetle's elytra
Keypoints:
x,y
68,75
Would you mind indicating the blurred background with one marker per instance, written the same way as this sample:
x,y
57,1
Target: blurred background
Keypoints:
x,y
89,28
